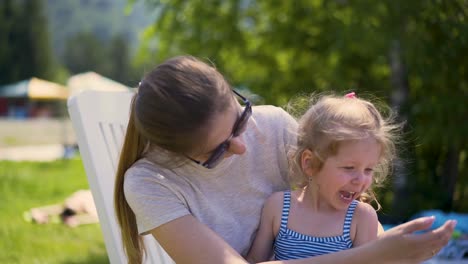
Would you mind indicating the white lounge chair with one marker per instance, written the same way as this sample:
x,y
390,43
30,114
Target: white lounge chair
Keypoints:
x,y
99,120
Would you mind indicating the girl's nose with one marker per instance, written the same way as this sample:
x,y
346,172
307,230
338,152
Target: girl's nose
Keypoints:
x,y
358,178
237,146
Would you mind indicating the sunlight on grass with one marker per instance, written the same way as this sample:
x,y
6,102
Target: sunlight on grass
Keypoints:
x,y
24,185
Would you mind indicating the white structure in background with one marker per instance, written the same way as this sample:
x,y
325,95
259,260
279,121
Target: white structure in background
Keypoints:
x,y
93,81
41,153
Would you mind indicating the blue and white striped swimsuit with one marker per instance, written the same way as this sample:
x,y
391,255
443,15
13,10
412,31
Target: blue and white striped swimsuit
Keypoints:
x,y
290,244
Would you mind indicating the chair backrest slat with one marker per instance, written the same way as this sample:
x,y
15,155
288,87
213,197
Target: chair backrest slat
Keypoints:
x,y
99,120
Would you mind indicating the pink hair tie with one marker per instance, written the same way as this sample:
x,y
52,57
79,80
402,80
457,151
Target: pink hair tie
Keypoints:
x,y
350,95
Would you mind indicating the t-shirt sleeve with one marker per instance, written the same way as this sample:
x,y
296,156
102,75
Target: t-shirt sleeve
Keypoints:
x,y
287,129
283,131
152,198
290,128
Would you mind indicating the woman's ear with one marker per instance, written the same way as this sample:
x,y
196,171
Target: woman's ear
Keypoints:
x,y
308,162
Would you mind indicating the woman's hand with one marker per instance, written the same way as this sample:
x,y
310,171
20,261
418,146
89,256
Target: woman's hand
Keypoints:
x,y
401,245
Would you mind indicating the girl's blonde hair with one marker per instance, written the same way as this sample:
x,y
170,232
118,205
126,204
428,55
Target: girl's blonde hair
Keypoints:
x,y
170,112
331,120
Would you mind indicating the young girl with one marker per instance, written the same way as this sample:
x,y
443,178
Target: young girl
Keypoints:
x,y
344,145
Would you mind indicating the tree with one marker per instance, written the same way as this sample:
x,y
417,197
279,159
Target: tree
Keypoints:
x,y
438,97
122,69
24,47
86,52
412,54
8,16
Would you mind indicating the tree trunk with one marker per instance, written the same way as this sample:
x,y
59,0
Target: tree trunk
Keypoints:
x,y
449,178
399,98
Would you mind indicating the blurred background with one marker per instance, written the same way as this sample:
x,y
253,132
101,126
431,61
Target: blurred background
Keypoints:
x,y
413,55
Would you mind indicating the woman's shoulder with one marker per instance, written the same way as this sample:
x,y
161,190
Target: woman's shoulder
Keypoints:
x,y
143,171
142,167
273,116
270,110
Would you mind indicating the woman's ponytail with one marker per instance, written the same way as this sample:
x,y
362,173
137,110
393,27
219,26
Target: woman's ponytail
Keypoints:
x,y
132,150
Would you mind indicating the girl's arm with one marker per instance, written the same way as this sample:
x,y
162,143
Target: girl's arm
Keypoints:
x,y
262,246
366,224
187,240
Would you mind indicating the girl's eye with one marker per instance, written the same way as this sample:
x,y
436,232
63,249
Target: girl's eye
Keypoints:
x,y
348,167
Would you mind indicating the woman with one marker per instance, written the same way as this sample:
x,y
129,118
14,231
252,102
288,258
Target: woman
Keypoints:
x,y
196,168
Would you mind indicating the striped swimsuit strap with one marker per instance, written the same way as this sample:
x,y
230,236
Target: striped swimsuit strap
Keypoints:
x,y
287,206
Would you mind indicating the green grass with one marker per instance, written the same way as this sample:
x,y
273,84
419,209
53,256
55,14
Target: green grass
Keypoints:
x,y
24,185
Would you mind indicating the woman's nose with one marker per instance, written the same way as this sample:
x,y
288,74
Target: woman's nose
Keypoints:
x,y
237,146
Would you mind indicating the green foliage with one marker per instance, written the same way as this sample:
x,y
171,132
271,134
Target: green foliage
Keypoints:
x,y
412,52
24,46
275,48
97,35
24,185
86,52
105,19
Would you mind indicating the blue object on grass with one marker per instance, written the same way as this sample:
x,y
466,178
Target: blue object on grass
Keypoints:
x,y
456,249
387,226
441,218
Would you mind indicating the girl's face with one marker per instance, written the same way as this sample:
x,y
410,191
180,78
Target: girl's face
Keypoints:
x,y
344,176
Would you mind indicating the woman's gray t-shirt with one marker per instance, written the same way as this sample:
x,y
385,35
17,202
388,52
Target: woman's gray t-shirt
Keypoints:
x,y
228,198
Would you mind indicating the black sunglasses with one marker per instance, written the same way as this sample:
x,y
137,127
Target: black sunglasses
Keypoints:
x,y
218,153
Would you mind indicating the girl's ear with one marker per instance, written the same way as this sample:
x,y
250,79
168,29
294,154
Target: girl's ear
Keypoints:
x,y
309,162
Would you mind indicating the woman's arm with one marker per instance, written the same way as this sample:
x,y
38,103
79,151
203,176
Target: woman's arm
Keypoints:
x,y
187,240
366,225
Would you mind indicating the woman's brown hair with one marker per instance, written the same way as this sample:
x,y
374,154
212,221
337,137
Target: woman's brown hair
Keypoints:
x,y
169,112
